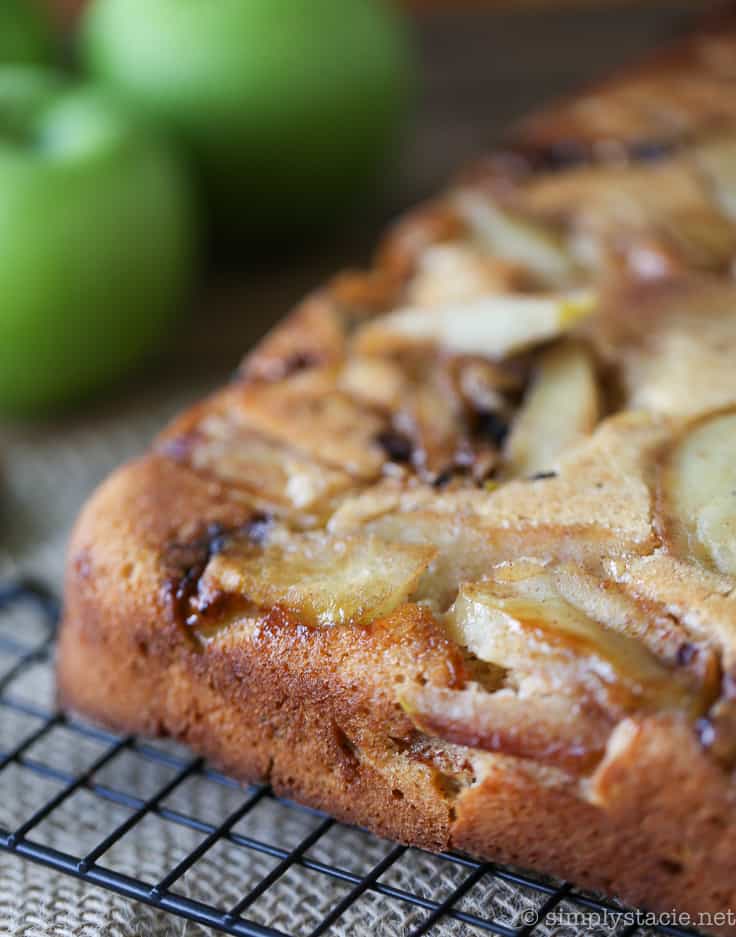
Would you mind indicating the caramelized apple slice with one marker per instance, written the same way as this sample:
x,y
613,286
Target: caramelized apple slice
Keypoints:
x,y
221,447
323,580
672,343
512,238
494,326
666,205
462,551
701,604
559,409
603,598
312,415
431,418
550,729
402,515
448,273
523,624
717,531
598,504
698,492
378,382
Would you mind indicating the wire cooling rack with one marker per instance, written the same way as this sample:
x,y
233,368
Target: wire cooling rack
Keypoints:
x,y
75,802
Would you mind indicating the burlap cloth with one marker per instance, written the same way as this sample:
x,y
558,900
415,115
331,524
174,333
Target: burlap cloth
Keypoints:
x,y
47,471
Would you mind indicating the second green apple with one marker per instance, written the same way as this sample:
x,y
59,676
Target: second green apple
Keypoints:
x,y
97,240
287,106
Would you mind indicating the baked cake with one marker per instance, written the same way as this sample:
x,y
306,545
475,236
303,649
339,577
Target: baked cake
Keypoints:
x,y
454,556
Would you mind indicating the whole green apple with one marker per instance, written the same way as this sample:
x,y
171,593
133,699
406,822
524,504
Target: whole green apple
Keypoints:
x,y
97,239
288,106
25,33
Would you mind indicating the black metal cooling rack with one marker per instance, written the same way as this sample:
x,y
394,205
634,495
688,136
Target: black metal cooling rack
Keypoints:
x,y
30,646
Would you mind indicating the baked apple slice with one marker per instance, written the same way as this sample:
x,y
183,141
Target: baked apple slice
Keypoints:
x,y
537,247
462,551
660,217
560,408
598,504
518,620
672,343
270,472
546,728
492,326
701,602
455,272
698,492
377,382
322,580
311,414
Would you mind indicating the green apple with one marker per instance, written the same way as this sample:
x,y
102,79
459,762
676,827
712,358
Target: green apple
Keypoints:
x,y
97,239
25,33
288,106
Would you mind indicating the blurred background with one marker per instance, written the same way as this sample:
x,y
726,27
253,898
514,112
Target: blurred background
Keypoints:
x,y
169,292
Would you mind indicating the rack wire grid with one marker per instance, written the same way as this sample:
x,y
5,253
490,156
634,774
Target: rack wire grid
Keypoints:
x,y
86,791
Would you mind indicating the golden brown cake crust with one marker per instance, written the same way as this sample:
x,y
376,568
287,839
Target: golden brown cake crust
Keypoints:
x,y
312,712
480,489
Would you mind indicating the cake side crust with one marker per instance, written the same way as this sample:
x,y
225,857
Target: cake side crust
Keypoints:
x,y
313,714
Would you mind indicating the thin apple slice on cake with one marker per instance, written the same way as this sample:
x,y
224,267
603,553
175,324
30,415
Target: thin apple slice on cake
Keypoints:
x,y
598,503
537,247
495,326
558,680
377,382
672,343
323,580
698,492
463,550
271,473
546,728
560,408
700,604
459,271
310,413
518,620
659,217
